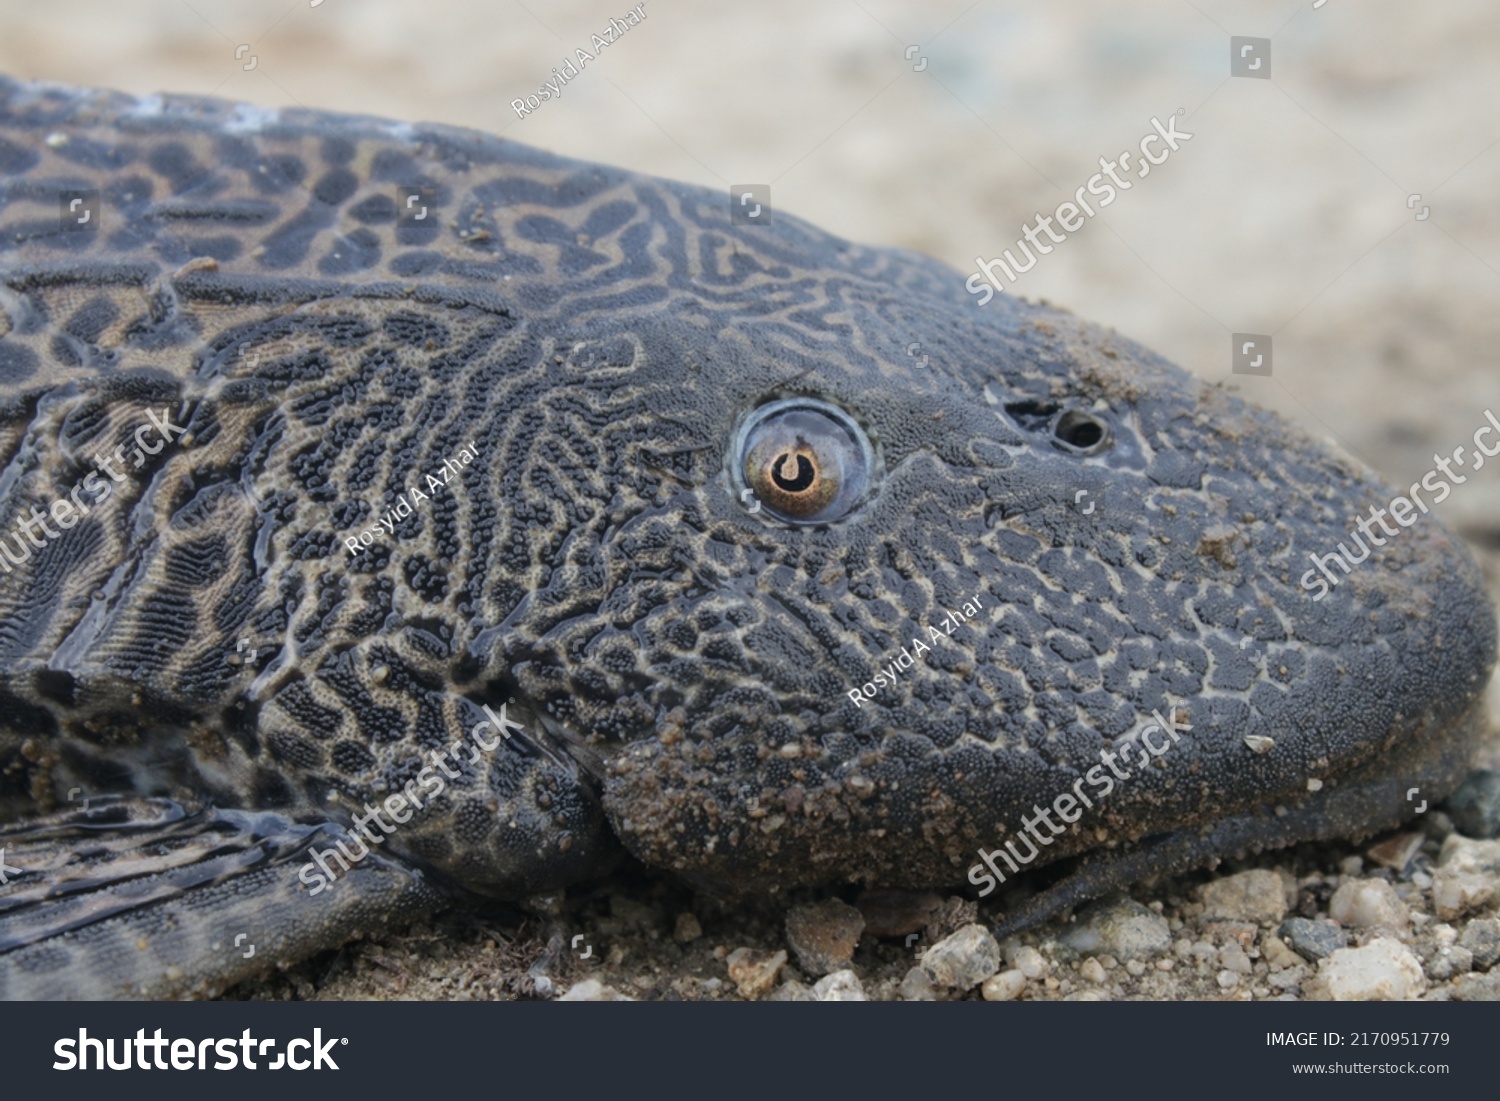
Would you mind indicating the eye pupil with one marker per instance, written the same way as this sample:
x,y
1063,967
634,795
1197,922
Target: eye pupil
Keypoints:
x,y
804,475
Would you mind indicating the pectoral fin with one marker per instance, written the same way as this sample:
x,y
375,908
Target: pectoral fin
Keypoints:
x,y
141,898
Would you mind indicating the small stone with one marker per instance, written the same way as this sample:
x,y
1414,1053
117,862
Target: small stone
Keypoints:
x,y
1482,938
841,986
754,970
1382,971
1256,895
1091,970
592,990
1135,968
1290,979
687,930
917,987
1028,961
1468,875
1477,988
1448,962
1368,904
824,935
893,913
1233,958
1004,987
1475,806
1123,928
1165,965
1312,940
1277,954
1456,892
1228,980
792,991
963,960
1465,855
1396,852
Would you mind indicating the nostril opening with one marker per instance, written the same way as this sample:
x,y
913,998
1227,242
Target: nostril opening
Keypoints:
x,y
1082,432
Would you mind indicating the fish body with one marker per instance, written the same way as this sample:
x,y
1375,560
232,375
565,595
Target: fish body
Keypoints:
x,y
395,514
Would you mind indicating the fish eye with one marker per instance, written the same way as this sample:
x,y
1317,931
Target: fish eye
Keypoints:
x,y
806,461
1080,433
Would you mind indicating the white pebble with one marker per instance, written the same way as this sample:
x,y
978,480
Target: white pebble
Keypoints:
x,y
841,986
1256,895
1383,970
1233,958
964,960
1004,987
1368,904
1030,963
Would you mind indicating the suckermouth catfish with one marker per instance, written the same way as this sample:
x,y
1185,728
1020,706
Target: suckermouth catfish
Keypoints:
x,y
683,495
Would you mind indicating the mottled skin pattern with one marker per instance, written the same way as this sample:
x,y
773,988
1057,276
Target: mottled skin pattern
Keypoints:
x,y
224,679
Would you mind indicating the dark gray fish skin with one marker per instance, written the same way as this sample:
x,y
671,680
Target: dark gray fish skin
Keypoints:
x,y
680,658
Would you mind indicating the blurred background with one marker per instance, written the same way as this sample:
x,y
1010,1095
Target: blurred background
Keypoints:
x,y
1339,206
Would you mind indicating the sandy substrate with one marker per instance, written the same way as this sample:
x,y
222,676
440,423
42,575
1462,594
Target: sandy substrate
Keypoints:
x,y
1296,211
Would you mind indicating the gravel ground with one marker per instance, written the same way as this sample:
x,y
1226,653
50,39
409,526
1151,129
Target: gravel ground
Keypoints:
x,y
1294,211
1405,915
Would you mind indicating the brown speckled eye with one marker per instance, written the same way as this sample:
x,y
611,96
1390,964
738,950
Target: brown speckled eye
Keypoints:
x,y
790,476
804,460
